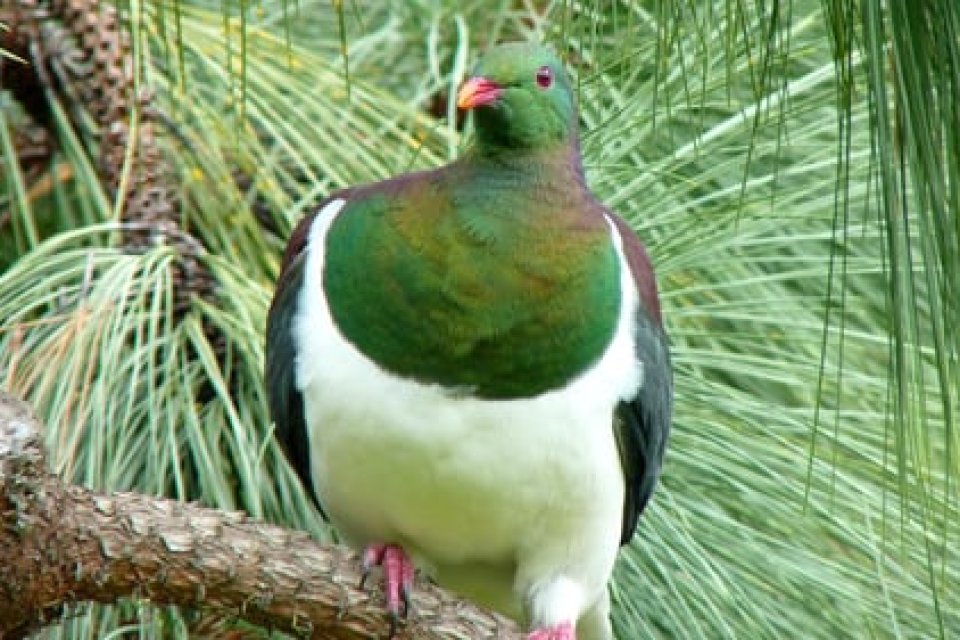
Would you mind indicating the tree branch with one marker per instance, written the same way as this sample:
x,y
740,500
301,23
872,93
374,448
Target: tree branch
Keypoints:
x,y
61,544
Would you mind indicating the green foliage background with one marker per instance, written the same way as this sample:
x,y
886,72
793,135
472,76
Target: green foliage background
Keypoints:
x,y
792,166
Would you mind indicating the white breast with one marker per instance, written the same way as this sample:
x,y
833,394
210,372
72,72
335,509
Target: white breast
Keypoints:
x,y
517,489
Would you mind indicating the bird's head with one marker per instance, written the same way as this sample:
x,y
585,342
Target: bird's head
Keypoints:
x,y
522,98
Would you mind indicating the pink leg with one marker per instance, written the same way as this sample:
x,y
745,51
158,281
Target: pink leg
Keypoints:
x,y
563,631
398,572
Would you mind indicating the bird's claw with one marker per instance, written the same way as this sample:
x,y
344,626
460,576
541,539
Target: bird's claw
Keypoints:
x,y
406,594
398,573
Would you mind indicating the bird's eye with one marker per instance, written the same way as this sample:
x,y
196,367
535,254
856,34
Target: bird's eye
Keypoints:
x,y
544,77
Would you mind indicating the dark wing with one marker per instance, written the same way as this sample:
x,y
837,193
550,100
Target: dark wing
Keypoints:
x,y
642,423
283,396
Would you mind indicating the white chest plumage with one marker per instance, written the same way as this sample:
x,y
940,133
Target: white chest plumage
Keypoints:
x,y
499,498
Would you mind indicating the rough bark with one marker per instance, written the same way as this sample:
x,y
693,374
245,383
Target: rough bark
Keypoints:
x,y
61,544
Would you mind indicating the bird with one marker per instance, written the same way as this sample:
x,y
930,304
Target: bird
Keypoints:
x,y
467,366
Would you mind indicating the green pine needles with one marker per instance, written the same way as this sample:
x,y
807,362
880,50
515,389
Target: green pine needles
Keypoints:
x,y
792,167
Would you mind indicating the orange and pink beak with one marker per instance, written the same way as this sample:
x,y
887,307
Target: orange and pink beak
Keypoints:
x,y
477,92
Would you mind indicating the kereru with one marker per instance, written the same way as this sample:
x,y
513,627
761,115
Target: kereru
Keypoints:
x,y
467,366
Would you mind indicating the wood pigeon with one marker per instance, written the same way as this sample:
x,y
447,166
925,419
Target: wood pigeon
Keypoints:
x,y
467,366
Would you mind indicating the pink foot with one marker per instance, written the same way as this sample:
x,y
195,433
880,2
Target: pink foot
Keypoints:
x,y
563,631
398,572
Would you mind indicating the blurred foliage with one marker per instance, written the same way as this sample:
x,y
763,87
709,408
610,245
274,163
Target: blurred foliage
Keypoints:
x,y
793,167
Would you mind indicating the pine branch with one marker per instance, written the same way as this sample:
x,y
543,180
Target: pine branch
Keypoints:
x,y
61,544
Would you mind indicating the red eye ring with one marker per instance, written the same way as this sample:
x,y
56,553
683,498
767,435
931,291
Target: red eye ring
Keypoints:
x,y
544,77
